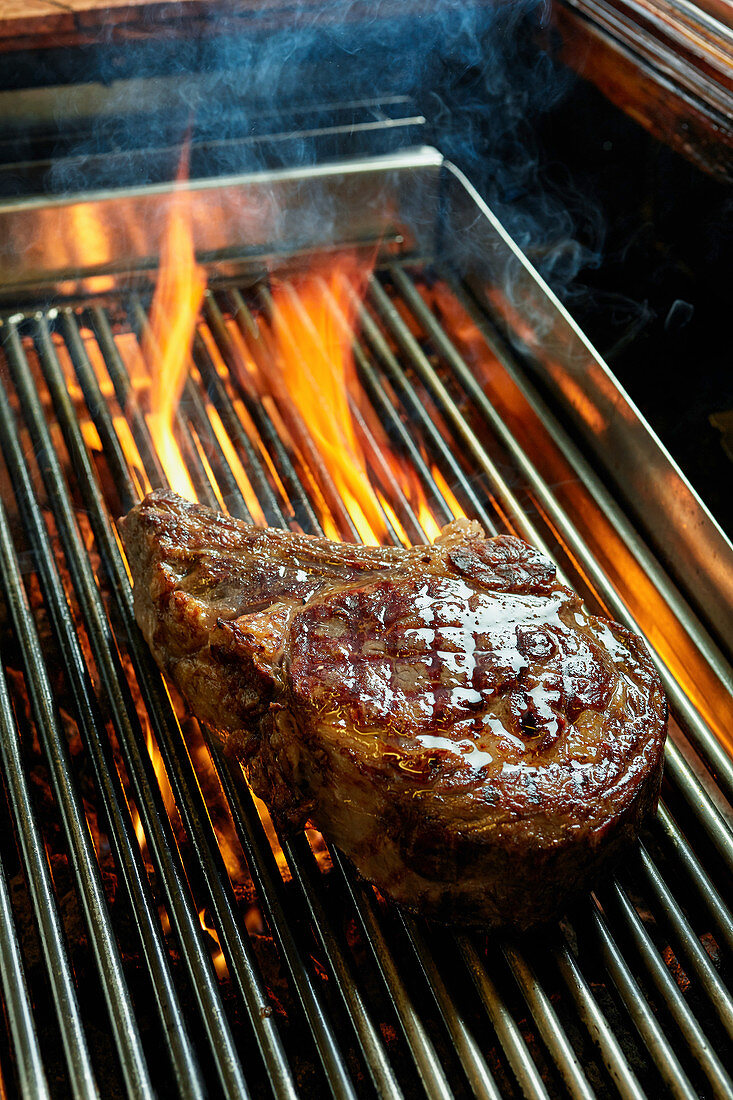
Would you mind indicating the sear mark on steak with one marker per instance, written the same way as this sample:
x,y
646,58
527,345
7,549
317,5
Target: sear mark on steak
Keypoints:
x,y
450,716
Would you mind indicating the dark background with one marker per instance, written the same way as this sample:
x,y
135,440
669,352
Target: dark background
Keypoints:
x,y
659,304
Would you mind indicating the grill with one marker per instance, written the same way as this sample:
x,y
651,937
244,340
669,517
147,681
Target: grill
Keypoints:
x,y
156,936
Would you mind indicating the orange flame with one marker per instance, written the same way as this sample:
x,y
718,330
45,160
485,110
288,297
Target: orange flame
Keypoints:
x,y
217,955
178,296
315,359
407,490
301,355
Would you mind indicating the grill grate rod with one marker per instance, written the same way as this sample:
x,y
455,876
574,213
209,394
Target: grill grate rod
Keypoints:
x,y
685,856
76,829
473,1062
418,1040
214,386
547,1021
31,1076
122,831
127,400
597,1025
697,958
99,412
81,1074
506,1028
644,1020
300,504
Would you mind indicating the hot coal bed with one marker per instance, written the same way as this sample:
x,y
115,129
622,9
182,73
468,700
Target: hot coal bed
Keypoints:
x,y
157,937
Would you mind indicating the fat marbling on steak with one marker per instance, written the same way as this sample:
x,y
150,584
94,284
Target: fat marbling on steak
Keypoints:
x,y
449,716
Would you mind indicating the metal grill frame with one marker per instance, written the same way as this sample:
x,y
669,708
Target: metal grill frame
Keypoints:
x,y
422,189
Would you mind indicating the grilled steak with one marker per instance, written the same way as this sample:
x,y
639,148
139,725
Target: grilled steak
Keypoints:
x,y
449,715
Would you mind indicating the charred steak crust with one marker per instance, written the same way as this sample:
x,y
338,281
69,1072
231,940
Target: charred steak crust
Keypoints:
x,y
450,716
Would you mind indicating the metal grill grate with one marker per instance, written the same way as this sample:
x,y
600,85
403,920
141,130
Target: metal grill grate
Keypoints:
x,y
155,938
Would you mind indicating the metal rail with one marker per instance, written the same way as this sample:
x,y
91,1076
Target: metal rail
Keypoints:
x,y
81,1074
31,1075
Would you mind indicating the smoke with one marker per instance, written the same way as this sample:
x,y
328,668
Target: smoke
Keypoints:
x,y
258,90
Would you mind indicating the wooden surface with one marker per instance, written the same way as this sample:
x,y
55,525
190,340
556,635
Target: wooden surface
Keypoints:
x,y
666,63
45,24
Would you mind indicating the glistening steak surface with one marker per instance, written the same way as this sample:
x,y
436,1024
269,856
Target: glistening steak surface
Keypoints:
x,y
449,715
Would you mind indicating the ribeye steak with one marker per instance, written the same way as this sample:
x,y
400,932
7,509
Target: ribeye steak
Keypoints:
x,y
449,715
